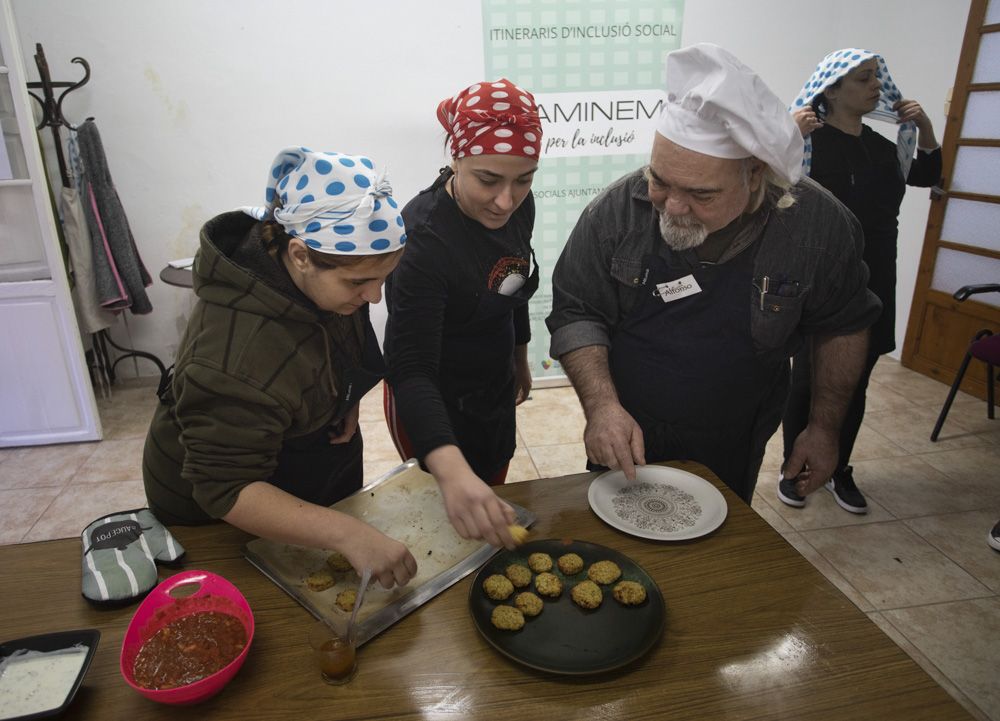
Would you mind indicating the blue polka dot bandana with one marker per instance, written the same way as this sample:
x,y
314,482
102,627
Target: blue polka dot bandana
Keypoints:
x,y
838,64
336,203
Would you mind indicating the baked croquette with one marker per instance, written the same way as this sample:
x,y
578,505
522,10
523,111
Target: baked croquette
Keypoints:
x,y
519,575
548,585
498,587
319,580
528,603
518,533
338,563
629,593
507,618
570,564
587,594
345,600
540,562
604,572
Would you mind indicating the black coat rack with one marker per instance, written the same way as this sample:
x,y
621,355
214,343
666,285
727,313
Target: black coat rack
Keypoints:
x,y
52,115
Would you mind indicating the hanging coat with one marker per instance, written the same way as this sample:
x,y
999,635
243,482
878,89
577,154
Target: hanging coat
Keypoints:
x,y
91,316
120,275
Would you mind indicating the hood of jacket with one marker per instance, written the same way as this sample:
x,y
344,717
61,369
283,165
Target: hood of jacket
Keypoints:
x,y
233,269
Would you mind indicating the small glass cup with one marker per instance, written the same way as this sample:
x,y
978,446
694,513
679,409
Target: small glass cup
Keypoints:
x,y
335,654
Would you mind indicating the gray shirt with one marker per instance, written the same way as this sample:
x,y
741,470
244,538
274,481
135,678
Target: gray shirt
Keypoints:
x,y
811,253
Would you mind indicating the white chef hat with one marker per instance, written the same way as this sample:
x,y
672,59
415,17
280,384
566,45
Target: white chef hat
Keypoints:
x,y
718,106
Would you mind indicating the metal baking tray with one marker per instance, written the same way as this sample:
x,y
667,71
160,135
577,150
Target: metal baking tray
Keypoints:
x,y
405,504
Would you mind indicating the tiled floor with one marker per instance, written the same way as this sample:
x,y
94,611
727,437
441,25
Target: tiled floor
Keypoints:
x,y
917,564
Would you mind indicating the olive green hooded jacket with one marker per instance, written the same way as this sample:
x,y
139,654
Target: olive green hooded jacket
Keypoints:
x,y
259,364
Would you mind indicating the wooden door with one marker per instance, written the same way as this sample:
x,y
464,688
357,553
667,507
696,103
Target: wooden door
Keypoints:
x,y
962,240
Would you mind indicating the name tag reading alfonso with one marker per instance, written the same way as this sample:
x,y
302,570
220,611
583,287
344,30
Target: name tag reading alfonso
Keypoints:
x,y
677,289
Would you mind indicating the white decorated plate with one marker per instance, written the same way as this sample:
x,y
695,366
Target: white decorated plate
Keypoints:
x,y
664,504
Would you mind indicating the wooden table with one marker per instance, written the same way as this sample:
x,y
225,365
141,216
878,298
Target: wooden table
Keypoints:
x,y
753,631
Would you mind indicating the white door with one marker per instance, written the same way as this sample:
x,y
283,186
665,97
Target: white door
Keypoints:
x,y
45,391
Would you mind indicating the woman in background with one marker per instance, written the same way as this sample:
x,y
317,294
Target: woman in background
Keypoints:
x,y
259,425
868,174
458,327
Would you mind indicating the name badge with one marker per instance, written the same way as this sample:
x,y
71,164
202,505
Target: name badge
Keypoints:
x,y
677,289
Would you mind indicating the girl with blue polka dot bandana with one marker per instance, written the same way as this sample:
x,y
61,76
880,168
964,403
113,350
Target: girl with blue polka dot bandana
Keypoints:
x,y
258,426
814,101
458,328
868,173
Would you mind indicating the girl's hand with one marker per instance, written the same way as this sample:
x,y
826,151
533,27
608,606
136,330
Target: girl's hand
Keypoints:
x,y
473,508
476,511
807,121
910,110
391,562
522,375
345,430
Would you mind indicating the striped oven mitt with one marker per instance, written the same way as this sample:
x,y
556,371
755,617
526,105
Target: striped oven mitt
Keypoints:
x,y
120,552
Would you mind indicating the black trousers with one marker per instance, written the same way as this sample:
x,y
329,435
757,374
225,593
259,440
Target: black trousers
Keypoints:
x,y
797,407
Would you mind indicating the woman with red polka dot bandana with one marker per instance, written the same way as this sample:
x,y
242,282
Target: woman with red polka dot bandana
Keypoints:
x,y
458,328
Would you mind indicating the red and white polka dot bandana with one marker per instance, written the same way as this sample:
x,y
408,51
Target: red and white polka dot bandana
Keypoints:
x,y
497,118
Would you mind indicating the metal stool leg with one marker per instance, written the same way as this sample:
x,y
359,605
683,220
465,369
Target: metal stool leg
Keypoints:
x,y
951,395
991,378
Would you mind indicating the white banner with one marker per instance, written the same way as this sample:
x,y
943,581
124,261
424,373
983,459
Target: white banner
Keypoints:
x,y
604,122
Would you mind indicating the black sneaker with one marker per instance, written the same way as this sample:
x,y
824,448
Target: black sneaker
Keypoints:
x,y
787,493
993,537
846,492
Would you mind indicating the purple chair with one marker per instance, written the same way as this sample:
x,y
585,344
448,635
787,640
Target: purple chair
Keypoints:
x,y
986,347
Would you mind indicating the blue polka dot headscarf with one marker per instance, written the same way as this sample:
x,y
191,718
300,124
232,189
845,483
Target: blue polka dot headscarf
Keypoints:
x,y
335,203
838,64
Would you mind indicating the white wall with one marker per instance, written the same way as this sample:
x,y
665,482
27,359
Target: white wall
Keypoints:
x,y
193,98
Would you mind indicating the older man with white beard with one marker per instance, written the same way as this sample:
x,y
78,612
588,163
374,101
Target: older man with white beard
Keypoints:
x,y
686,286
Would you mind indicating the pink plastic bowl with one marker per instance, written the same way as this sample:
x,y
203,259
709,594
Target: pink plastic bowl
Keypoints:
x,y
160,607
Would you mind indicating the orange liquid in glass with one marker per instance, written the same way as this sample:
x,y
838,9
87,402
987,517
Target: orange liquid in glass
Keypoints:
x,y
336,659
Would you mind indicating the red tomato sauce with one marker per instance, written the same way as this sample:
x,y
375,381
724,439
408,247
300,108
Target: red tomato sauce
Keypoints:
x,y
189,649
